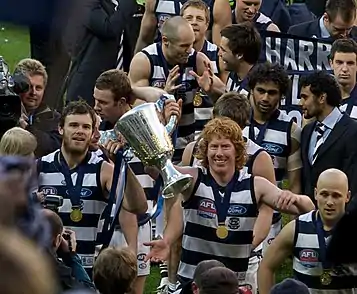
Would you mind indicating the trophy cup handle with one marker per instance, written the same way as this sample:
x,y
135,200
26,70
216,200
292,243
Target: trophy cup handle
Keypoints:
x,y
160,104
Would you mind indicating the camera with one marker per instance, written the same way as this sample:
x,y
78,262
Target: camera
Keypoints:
x,y
67,236
10,102
53,202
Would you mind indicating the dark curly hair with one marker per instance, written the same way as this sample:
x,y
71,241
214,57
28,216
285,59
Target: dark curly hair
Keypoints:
x,y
268,72
222,127
320,83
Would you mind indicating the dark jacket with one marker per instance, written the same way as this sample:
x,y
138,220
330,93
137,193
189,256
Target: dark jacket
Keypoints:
x,y
43,124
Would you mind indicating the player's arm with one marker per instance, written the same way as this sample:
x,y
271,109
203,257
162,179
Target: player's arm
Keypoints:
x,y
187,154
134,196
148,26
294,163
148,94
284,201
275,255
222,17
273,28
263,167
174,227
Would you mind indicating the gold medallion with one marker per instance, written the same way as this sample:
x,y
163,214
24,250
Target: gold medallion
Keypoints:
x,y
326,278
222,232
197,100
76,215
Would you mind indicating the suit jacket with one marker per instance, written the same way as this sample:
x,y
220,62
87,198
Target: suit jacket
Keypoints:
x,y
96,49
311,29
338,151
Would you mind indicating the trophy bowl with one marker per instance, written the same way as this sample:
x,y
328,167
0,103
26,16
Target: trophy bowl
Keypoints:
x,y
152,144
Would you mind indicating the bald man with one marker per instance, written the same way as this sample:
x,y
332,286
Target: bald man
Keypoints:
x,y
174,66
306,239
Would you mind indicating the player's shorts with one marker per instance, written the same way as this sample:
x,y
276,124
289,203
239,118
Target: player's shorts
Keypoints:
x,y
274,231
144,235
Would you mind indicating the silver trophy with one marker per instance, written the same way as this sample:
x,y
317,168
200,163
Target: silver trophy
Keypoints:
x,y
152,144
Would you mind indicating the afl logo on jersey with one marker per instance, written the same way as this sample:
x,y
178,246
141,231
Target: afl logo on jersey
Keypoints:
x,y
309,258
159,84
206,209
48,190
162,19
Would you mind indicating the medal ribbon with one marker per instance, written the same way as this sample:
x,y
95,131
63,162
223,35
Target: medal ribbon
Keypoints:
x,y
74,191
322,243
222,204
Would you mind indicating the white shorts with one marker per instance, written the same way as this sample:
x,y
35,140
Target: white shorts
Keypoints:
x,y
251,277
274,231
144,235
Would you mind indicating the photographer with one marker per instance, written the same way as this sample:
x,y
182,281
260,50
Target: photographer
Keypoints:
x,y
70,271
37,117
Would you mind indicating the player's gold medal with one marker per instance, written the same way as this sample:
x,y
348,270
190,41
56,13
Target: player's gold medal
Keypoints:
x,y
197,100
76,215
326,278
222,232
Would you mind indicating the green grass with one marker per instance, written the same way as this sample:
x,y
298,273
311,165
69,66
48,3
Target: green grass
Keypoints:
x,y
14,46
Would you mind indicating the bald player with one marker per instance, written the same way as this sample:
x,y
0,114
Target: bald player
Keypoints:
x,y
176,67
306,239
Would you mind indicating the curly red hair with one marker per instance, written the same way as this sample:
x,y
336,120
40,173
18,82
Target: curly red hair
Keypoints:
x,y
222,127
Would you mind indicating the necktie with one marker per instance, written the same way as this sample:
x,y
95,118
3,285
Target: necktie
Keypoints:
x,y
320,129
119,63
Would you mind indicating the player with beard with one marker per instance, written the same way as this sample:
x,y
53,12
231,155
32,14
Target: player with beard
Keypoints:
x,y
245,10
273,130
239,50
221,205
343,61
83,180
306,237
173,65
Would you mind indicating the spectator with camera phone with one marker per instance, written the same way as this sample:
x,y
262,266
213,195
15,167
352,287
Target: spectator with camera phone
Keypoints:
x,y
68,266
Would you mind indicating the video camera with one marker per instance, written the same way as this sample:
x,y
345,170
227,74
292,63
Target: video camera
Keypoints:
x,y
53,202
10,103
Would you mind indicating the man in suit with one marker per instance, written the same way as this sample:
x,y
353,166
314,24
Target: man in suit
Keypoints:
x,y
337,22
327,142
98,48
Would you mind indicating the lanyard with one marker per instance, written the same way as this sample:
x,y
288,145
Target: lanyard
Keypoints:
x,y
222,204
74,191
259,139
322,242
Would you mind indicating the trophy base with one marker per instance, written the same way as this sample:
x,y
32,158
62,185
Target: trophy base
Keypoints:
x,y
177,186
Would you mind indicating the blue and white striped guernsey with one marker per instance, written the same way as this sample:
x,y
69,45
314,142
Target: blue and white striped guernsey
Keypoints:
x,y
52,182
200,217
307,265
186,128
203,112
236,84
260,21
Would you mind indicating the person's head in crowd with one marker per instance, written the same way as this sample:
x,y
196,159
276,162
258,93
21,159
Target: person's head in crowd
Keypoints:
x,y
240,46
196,12
319,94
268,83
56,227
112,95
290,286
343,60
35,71
202,267
219,280
228,104
94,144
222,138
339,17
114,271
76,127
17,141
332,195
247,9
23,267
177,40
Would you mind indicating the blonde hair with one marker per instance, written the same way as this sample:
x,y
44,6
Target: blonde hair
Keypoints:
x,y
32,67
18,141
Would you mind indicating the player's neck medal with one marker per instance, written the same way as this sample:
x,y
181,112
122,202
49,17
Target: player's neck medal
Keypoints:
x,y
326,278
197,100
222,232
76,215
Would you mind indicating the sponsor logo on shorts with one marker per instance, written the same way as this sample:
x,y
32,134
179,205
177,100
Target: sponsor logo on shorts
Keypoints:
x,y
270,240
87,260
206,209
142,266
309,258
141,257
